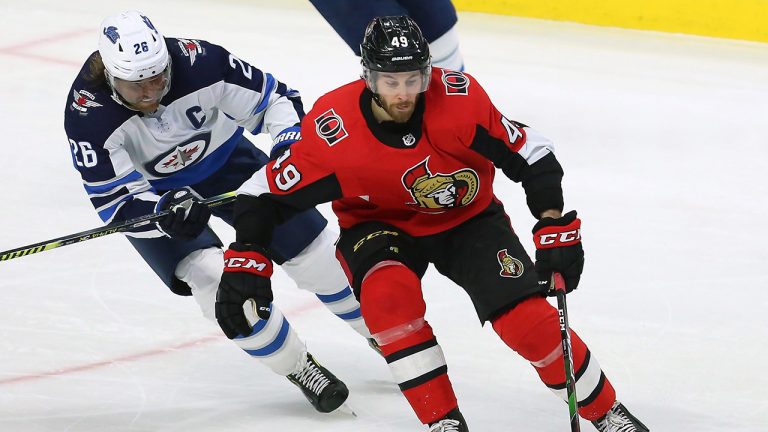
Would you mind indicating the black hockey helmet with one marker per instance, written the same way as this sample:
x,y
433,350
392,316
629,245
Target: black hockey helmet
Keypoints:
x,y
394,44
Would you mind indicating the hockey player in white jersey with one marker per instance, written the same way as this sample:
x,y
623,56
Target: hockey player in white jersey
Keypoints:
x,y
157,123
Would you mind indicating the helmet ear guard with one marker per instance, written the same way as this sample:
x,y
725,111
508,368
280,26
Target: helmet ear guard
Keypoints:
x,y
394,44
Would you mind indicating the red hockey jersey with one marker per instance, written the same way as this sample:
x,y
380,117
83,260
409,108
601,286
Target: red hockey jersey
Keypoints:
x,y
425,176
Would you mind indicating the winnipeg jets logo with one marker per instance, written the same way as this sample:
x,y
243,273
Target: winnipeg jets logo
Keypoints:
x,y
148,23
191,48
183,155
111,34
83,100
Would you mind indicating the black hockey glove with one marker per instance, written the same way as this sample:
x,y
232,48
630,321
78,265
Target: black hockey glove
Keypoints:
x,y
246,278
187,217
558,249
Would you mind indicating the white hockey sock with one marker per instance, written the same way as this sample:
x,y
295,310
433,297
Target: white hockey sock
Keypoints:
x,y
317,270
273,342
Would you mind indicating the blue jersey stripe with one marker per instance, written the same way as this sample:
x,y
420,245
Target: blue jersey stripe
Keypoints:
x,y
265,96
99,189
100,201
257,130
108,212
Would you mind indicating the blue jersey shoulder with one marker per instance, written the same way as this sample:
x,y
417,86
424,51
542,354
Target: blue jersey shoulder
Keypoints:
x,y
198,64
90,113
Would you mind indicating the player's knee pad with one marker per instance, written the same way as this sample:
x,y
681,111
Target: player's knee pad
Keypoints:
x,y
362,248
201,271
391,297
531,328
316,268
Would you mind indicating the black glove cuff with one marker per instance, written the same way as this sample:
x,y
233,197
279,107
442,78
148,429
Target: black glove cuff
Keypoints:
x,y
561,221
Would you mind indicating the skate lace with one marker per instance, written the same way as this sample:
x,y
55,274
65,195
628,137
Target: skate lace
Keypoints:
x,y
312,378
446,425
616,421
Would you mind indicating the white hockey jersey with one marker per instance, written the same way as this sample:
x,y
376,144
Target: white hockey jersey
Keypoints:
x,y
127,158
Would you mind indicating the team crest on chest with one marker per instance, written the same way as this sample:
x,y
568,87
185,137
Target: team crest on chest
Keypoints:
x,y
183,155
330,127
436,193
456,83
510,266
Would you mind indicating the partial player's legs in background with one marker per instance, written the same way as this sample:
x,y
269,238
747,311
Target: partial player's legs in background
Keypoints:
x,y
436,18
317,270
350,17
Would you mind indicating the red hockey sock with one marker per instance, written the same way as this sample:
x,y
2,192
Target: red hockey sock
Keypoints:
x,y
393,308
532,329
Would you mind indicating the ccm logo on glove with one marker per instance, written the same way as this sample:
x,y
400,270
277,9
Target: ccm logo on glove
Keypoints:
x,y
251,262
557,239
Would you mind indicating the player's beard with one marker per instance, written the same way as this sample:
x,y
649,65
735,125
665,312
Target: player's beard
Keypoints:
x,y
148,104
401,111
147,107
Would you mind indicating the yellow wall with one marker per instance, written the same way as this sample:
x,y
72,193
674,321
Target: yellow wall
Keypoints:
x,y
735,19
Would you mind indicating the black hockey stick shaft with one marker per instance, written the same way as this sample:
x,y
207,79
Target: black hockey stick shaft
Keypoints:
x,y
105,230
558,285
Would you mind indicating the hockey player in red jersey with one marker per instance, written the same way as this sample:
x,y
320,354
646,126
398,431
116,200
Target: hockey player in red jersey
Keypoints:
x,y
408,155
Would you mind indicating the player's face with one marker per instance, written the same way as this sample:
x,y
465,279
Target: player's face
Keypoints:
x,y
143,95
398,92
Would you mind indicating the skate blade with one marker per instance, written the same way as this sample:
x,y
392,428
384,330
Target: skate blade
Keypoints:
x,y
346,409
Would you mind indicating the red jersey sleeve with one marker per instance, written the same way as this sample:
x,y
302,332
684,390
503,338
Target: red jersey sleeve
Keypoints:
x,y
523,154
302,177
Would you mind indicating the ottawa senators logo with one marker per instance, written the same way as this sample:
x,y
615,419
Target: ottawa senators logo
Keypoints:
x,y
456,83
435,193
330,127
510,266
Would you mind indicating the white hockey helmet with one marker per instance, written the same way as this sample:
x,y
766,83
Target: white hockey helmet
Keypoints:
x,y
132,49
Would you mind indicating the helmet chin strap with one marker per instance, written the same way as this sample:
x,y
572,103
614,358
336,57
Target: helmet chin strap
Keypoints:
x,y
377,99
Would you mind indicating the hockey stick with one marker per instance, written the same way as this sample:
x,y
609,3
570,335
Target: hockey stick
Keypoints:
x,y
105,230
558,286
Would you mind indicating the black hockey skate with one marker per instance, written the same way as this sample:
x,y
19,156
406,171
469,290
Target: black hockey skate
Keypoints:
x,y
323,390
618,419
452,422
